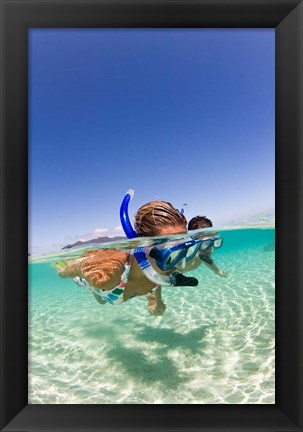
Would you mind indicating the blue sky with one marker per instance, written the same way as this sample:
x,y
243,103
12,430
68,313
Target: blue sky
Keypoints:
x,y
181,115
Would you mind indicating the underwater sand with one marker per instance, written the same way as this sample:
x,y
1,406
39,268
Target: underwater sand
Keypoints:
x,y
214,345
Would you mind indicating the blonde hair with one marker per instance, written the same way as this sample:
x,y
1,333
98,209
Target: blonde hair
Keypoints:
x,y
153,216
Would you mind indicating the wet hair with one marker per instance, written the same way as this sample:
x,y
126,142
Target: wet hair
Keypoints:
x,y
155,215
199,222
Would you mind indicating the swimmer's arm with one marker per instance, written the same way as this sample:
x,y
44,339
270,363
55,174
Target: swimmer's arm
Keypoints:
x,y
191,265
215,269
208,261
196,262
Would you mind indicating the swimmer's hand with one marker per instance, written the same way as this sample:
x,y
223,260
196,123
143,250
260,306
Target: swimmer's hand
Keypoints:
x,y
181,280
221,273
155,307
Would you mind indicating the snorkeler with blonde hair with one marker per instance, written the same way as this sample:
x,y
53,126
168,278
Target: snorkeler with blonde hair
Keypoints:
x,y
116,276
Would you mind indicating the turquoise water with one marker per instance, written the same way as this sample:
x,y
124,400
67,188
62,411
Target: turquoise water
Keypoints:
x,y
214,345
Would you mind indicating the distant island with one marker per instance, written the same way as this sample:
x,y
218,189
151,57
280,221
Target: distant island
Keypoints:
x,y
93,241
259,219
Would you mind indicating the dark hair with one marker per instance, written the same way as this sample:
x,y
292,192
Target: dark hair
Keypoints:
x,y
199,222
153,216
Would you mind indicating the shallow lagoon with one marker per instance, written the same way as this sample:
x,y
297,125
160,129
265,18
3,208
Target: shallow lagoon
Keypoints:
x,y
215,343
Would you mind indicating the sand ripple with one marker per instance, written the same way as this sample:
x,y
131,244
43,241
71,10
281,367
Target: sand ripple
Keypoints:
x,y
215,344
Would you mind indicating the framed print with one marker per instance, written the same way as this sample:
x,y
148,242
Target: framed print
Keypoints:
x,y
59,371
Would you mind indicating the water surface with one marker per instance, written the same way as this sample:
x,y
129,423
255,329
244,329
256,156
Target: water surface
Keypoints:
x,y
214,344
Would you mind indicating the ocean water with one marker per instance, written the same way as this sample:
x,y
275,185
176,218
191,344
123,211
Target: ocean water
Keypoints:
x,y
215,344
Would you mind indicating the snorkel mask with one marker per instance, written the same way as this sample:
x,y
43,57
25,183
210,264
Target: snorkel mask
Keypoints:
x,y
175,279
169,257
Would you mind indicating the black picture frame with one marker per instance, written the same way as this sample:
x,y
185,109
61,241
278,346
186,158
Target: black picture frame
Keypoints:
x,y
16,18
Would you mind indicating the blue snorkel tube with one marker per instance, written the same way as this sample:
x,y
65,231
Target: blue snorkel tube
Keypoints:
x,y
175,279
127,226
